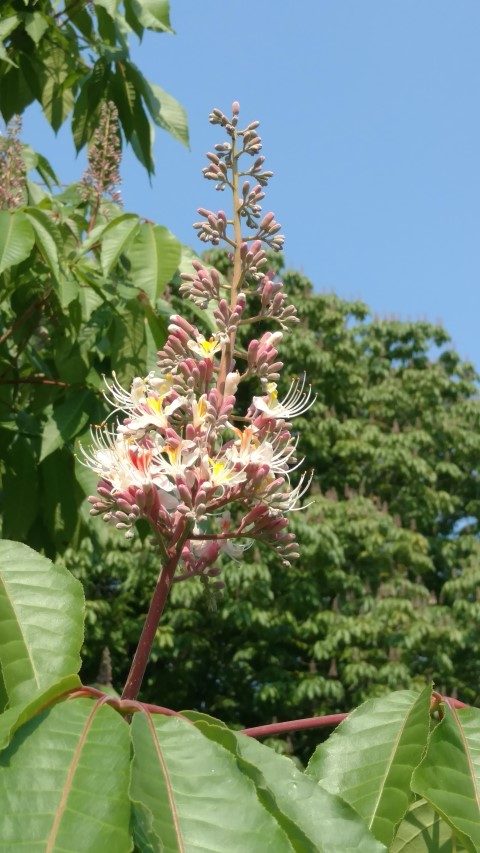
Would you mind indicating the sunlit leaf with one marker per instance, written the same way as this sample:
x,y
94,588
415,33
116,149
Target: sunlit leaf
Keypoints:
x,y
313,819
449,775
13,718
154,255
41,621
165,110
36,25
189,793
370,758
47,237
16,238
116,238
64,781
153,14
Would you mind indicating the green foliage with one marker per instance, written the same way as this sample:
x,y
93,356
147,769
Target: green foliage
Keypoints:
x,y
74,58
376,781
76,758
35,619
384,595
449,775
79,283
75,775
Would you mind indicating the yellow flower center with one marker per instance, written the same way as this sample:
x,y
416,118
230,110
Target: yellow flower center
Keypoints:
x,y
155,404
209,346
272,393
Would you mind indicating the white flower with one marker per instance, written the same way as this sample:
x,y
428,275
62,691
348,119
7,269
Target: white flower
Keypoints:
x,y
124,463
207,349
222,472
180,458
248,449
141,389
286,501
296,402
231,383
144,403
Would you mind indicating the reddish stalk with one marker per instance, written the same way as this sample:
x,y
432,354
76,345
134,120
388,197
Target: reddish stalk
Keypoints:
x,y
294,725
157,604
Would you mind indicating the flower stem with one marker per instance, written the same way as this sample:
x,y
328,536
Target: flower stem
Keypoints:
x,y
157,605
227,356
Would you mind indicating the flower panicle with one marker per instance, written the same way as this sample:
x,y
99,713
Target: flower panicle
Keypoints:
x,y
182,454
13,170
102,176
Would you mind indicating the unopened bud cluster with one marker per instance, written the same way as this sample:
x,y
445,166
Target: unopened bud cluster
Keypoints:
x,y
12,167
208,477
102,176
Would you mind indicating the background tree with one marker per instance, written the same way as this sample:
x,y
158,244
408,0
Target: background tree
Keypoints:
x,y
383,596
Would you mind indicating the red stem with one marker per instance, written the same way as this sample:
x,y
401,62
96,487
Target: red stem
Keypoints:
x,y
294,725
157,604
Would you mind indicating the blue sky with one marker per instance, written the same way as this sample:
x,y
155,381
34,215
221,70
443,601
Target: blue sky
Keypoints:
x,y
370,119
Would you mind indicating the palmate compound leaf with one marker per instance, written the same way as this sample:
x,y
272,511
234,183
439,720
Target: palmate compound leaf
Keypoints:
x,y
64,782
449,775
154,255
314,820
41,621
189,794
370,758
423,831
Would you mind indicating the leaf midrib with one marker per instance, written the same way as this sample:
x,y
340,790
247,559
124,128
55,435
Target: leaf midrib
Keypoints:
x,y
168,786
70,776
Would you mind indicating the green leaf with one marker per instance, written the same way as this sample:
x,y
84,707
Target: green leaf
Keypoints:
x,y
13,718
34,160
449,775
132,19
61,499
110,6
65,422
20,487
64,782
153,14
16,238
313,819
87,103
370,758
154,256
3,694
7,26
58,90
166,112
157,323
128,342
141,139
190,795
41,621
116,238
36,24
47,237
423,831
